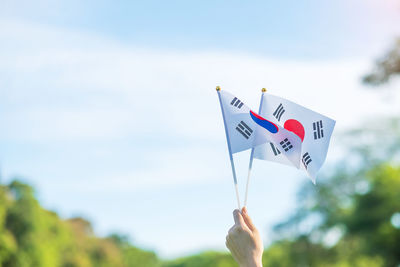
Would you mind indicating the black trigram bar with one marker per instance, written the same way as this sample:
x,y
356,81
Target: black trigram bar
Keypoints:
x,y
237,103
244,129
306,159
286,145
275,149
318,131
278,112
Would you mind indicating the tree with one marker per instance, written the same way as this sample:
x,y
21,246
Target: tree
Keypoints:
x,y
347,220
386,67
33,236
205,259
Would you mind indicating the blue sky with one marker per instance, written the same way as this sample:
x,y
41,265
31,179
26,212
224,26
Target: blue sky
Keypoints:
x,y
309,29
109,109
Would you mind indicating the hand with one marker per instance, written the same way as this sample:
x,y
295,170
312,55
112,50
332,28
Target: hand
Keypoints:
x,y
244,242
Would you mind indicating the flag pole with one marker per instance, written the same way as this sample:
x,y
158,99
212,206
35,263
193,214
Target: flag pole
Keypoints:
x,y
229,148
252,154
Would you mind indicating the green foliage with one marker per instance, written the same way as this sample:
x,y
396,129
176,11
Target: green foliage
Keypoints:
x,y
31,236
133,256
347,219
386,67
205,259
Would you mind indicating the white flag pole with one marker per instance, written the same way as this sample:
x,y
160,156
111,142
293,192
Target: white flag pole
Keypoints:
x,y
252,153
229,149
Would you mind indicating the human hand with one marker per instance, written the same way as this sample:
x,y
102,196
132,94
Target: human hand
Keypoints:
x,y
244,241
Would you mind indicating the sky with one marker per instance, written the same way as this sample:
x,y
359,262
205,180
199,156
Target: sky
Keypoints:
x,y
109,109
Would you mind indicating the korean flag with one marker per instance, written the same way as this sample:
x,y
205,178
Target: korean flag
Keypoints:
x,y
312,128
245,130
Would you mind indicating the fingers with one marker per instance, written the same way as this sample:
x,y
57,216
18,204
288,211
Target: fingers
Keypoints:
x,y
230,245
237,216
247,219
227,242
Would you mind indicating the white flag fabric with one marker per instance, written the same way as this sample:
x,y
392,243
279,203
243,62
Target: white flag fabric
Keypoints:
x,y
246,129
314,130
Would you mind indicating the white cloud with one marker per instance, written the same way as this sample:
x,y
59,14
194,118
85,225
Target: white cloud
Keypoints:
x,y
179,166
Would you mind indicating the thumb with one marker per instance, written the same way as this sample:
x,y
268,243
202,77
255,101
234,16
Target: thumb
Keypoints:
x,y
248,220
237,216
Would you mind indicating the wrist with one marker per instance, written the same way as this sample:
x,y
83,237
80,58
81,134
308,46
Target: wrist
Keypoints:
x,y
252,263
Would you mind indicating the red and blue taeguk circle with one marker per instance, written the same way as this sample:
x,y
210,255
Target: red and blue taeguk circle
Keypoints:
x,y
266,124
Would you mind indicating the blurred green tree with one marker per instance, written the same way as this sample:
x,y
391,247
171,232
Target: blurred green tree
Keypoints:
x,y
386,67
133,256
31,236
347,220
205,259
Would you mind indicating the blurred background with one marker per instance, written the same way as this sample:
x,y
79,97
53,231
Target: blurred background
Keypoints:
x,y
112,147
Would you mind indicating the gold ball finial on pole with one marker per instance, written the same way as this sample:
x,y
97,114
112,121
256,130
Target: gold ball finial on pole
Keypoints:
x,y
218,88
263,90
